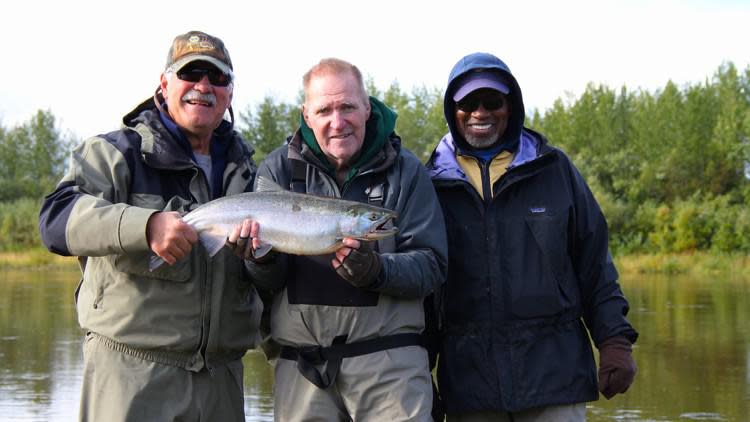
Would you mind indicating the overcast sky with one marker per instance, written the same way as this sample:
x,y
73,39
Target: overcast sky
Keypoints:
x,y
90,62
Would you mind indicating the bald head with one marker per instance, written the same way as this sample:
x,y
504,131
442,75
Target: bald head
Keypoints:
x,y
333,66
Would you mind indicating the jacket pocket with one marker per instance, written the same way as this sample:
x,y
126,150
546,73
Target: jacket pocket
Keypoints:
x,y
467,374
536,256
569,377
137,264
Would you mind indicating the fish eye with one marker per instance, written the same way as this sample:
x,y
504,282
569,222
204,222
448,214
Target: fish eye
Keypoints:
x,y
373,216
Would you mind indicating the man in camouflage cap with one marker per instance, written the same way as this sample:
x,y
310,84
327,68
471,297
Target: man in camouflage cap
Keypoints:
x,y
160,345
196,45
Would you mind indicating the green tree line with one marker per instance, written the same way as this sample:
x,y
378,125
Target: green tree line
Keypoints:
x,y
670,168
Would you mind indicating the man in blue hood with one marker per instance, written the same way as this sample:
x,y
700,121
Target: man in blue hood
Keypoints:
x,y
529,273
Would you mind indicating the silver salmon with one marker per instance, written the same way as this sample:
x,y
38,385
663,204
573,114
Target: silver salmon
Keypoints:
x,y
295,223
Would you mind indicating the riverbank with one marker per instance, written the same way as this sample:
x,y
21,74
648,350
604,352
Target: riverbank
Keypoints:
x,y
697,264
700,264
36,260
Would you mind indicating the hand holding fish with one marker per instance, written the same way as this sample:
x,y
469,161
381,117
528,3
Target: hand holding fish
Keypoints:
x,y
244,242
356,262
288,222
169,237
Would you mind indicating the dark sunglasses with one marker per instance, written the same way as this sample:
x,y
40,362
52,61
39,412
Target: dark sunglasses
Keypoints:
x,y
471,103
215,76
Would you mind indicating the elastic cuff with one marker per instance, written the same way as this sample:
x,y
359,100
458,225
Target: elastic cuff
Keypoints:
x,y
615,341
132,229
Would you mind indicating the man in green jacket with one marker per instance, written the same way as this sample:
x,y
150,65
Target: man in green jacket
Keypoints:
x,y
163,345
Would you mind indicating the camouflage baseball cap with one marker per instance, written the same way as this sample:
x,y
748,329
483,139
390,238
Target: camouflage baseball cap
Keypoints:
x,y
196,45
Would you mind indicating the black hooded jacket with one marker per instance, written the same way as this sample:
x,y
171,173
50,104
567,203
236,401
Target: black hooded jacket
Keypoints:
x,y
529,274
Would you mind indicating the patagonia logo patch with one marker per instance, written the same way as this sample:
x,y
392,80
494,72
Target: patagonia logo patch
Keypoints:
x,y
538,210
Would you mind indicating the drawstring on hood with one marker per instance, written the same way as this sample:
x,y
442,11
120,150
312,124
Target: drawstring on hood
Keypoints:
x,y
472,62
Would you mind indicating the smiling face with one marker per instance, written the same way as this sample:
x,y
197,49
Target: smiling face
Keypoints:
x,y
482,117
197,107
336,109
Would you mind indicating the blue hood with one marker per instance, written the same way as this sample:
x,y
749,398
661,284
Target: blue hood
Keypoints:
x,y
485,61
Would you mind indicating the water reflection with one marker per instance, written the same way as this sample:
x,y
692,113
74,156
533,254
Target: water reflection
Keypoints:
x,y
41,356
693,355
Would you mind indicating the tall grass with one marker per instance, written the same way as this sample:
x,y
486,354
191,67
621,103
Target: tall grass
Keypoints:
x,y
36,259
733,267
18,225
20,243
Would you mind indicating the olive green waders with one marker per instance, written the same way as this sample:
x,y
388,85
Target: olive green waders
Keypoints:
x,y
121,387
392,385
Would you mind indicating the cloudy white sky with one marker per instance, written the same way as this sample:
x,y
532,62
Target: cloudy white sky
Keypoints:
x,y
89,62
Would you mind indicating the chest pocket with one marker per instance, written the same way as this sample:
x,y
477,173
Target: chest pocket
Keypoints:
x,y
314,282
536,259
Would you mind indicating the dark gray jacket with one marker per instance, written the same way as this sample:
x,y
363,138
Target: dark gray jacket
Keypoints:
x,y
316,305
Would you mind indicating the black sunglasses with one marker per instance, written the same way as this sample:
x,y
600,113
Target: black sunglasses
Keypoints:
x,y
471,103
195,74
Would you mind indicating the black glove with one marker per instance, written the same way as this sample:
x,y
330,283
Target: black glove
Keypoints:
x,y
243,248
361,267
616,366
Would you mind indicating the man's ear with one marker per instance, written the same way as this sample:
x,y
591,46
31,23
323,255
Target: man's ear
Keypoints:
x,y
304,114
163,82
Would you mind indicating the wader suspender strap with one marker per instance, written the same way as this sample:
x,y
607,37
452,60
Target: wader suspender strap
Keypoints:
x,y
299,177
375,192
308,357
376,196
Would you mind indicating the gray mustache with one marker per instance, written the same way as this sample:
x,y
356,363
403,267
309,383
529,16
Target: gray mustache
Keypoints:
x,y
198,96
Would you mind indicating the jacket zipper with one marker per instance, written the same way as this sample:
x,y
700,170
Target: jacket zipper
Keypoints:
x,y
205,285
487,198
486,184
206,323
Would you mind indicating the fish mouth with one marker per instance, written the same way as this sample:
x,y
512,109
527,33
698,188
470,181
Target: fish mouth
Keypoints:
x,y
380,229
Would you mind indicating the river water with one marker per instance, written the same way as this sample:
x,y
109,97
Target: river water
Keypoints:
x,y
693,354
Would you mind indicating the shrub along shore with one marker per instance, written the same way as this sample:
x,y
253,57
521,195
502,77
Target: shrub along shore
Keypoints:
x,y
698,264
670,168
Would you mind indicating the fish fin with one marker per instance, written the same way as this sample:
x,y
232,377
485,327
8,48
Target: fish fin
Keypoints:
x,y
154,262
262,251
264,184
213,242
